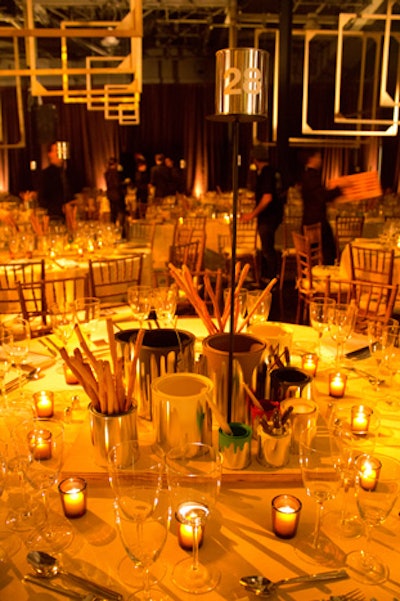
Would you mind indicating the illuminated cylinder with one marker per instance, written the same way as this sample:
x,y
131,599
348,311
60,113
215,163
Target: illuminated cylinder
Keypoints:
x,y
241,83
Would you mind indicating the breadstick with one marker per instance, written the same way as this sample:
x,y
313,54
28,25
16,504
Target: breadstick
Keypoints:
x,y
132,372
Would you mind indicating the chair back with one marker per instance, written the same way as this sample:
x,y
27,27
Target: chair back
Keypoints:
x,y
109,279
141,232
371,263
33,307
64,290
314,234
10,275
187,254
348,227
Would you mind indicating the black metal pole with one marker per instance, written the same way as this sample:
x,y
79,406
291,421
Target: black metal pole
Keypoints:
x,y
235,167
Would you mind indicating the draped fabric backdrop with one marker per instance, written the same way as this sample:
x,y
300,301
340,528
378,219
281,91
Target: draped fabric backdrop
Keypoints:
x,y
173,120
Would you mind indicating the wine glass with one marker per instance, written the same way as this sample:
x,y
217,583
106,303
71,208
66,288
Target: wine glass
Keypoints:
x,y
42,441
141,509
15,341
194,478
87,313
62,316
140,301
381,340
320,316
320,462
377,488
261,313
341,326
165,299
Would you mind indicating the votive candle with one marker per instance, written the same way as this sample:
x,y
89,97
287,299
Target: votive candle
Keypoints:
x,y
73,496
360,418
70,377
309,364
337,385
44,403
40,444
189,521
369,473
285,515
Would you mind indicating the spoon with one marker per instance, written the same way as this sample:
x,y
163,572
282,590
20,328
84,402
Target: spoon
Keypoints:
x,y
259,585
32,375
46,566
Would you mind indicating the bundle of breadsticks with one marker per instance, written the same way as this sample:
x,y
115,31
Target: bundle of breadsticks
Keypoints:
x,y
186,282
103,381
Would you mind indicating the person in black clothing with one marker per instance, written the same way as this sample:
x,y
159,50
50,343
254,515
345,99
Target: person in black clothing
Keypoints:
x,y
159,178
315,198
141,183
268,210
56,190
115,192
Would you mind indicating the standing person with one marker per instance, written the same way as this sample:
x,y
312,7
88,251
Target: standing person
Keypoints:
x,y
141,183
115,193
174,178
268,210
159,176
315,199
56,188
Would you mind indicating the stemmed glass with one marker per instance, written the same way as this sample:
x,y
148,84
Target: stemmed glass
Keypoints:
x,y
15,341
320,462
261,314
62,316
165,299
381,340
42,442
341,326
194,478
140,301
377,488
321,310
87,313
142,511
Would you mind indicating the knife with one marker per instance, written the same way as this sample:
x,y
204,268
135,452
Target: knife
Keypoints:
x,y
57,588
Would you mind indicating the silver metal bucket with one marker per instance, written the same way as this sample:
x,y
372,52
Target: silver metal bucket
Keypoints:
x,y
180,409
109,430
163,351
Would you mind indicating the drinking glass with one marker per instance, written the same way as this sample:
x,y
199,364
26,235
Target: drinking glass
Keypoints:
x,y
376,494
141,509
140,301
143,538
165,299
381,339
261,313
87,313
320,316
320,463
194,478
62,316
341,326
15,341
42,441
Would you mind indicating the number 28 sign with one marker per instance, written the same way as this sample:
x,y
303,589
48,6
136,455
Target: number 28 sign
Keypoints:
x,y
241,82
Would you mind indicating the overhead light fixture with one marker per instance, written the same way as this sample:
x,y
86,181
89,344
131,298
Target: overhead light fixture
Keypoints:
x,y
110,42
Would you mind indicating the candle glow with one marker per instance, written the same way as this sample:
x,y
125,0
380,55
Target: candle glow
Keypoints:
x,y
188,523
73,497
337,385
40,444
309,363
369,473
285,515
44,403
360,418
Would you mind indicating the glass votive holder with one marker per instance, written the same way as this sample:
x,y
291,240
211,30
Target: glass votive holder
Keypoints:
x,y
73,496
368,472
285,515
337,385
309,364
69,375
186,518
44,403
40,444
360,419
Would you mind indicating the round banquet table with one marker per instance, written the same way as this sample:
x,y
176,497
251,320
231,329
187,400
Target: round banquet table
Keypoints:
x,y
238,538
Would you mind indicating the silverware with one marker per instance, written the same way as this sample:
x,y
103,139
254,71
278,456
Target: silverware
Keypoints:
x,y
14,383
57,589
46,566
262,586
